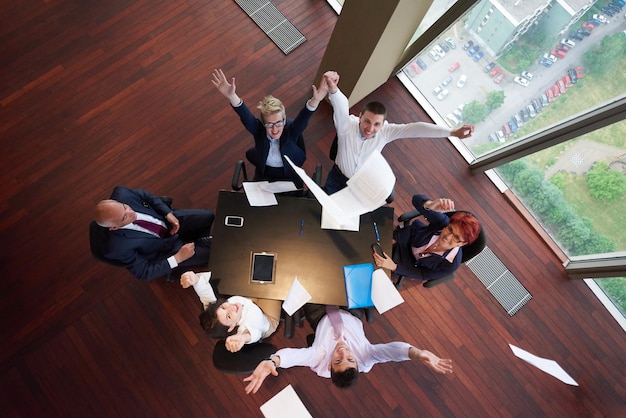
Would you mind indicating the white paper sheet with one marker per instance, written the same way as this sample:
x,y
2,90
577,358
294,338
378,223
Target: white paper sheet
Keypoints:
x,y
549,366
296,298
285,404
257,195
384,294
367,190
279,186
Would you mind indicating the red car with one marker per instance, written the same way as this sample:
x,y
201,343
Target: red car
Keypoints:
x,y
454,67
498,78
507,130
579,72
588,26
568,81
558,53
563,47
555,91
550,95
494,72
561,85
416,68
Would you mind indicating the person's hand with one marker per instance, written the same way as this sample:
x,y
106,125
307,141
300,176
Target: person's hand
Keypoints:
x,y
188,278
234,343
434,363
463,132
442,204
319,93
186,251
227,89
386,263
332,79
258,376
174,222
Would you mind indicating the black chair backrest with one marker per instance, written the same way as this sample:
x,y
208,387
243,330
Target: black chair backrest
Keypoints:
x,y
98,242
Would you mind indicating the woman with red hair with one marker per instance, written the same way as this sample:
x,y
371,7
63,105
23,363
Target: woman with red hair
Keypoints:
x,y
434,250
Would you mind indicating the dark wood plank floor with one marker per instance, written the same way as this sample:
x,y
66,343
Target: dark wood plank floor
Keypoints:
x,y
95,94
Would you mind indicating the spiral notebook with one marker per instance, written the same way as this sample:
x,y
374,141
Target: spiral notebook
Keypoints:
x,y
358,278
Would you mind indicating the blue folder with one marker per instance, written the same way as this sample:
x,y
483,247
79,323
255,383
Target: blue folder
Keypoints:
x,y
358,278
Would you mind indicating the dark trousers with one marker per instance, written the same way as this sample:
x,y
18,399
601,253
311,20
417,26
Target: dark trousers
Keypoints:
x,y
335,180
195,224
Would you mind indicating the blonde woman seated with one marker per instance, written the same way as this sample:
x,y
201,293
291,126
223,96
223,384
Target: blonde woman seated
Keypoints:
x,y
238,319
434,250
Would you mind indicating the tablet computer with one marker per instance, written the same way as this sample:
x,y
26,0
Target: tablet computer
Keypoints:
x,y
263,267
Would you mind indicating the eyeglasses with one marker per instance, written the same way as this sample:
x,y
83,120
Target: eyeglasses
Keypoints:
x,y
456,237
278,124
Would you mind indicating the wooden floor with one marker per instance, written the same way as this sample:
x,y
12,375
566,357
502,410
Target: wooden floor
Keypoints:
x,y
96,94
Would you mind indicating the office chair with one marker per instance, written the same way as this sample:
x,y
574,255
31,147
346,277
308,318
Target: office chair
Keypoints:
x,y
240,174
468,251
99,241
332,154
243,361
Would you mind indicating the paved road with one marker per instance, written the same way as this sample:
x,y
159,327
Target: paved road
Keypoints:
x,y
579,158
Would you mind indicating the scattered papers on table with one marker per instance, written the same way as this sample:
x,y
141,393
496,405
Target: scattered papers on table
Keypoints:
x,y
384,294
285,404
296,298
549,366
366,191
261,193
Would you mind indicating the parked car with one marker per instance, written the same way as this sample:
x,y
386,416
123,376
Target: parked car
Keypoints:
x,y
561,85
525,115
518,119
446,81
567,80
588,26
489,67
563,47
579,72
493,137
531,110
452,119
572,75
568,42
461,81
421,63
439,51
576,35
594,22
498,78
537,105
443,94
607,11
444,46
459,114
512,125
550,95
559,53
527,75
521,81
435,56
494,72
545,62
544,100
556,91
584,32
437,90
600,18
551,57
506,130
478,56
500,135
454,67
451,43
467,45
473,50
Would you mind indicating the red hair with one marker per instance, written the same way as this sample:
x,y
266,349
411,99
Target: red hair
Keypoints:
x,y
467,224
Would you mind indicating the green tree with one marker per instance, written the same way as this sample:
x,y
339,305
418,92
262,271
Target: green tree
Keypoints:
x,y
606,56
495,99
474,112
604,183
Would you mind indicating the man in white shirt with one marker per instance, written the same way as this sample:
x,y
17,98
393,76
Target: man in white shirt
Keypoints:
x,y
340,351
358,137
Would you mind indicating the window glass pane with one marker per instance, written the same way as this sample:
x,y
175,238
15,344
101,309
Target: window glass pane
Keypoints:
x,y
615,289
519,67
577,190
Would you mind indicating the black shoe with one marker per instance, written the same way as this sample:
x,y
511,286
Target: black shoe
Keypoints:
x,y
204,242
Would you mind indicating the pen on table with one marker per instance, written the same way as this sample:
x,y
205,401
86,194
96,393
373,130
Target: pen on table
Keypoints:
x,y
376,231
301,226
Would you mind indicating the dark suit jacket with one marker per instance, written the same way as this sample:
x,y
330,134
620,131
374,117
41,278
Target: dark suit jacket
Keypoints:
x,y
143,254
288,140
417,235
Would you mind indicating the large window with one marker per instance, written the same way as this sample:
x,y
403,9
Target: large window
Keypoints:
x,y
524,74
